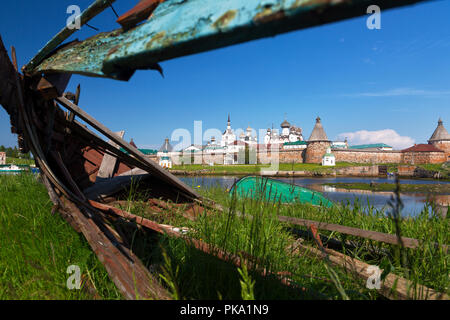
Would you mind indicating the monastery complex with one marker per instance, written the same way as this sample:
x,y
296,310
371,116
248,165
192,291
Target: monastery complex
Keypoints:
x,y
291,147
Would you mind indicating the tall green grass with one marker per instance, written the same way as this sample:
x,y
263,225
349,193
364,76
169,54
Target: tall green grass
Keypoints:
x,y
36,247
262,239
427,265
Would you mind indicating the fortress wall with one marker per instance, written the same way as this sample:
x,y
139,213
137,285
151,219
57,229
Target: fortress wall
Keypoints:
x,y
361,156
424,157
369,171
302,156
444,146
315,151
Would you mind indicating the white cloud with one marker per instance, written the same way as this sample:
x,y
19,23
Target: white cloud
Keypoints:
x,y
398,92
387,136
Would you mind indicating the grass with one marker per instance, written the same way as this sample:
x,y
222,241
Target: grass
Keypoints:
x,y
427,265
256,168
18,161
38,247
265,239
408,188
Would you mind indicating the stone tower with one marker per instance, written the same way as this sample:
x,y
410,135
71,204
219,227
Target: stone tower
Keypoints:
x,y
441,139
318,144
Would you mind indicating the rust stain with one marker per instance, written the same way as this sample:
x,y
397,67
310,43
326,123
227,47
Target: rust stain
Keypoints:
x,y
267,15
155,38
225,19
113,49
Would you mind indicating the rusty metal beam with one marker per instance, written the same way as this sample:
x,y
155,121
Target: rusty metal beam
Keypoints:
x,y
179,28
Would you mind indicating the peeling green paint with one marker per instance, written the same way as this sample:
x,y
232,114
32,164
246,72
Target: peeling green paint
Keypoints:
x,y
179,28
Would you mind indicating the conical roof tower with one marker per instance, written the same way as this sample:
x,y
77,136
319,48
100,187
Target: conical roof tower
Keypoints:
x,y
318,133
440,134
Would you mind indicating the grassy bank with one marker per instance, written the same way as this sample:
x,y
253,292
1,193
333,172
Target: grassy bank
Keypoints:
x,y
18,161
195,275
390,187
256,168
36,247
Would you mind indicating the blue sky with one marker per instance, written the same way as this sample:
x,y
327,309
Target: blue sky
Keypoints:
x,y
394,81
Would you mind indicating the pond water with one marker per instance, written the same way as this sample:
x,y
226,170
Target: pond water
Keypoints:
x,y
413,202
33,170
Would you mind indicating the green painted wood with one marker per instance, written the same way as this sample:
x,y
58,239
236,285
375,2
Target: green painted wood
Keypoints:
x,y
179,28
93,10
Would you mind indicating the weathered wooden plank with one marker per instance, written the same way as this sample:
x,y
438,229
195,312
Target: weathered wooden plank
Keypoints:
x,y
393,286
173,232
51,86
180,28
140,12
131,277
367,234
153,167
109,162
94,9
103,189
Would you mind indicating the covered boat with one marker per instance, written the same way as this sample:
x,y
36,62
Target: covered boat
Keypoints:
x,y
277,191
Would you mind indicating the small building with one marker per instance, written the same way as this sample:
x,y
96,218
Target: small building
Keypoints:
x,y
339,144
193,149
297,145
164,154
165,162
329,159
372,147
2,158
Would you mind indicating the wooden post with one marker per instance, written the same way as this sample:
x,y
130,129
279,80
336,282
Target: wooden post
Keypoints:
x,y
109,162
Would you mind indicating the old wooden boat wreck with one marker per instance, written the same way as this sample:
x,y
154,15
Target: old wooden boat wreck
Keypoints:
x,y
83,167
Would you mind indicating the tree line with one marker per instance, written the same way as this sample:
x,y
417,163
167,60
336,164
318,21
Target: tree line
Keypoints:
x,y
14,153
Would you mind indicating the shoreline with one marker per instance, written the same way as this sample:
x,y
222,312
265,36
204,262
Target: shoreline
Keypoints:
x,y
292,174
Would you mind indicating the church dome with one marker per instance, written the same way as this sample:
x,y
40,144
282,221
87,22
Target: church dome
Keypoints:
x,y
285,124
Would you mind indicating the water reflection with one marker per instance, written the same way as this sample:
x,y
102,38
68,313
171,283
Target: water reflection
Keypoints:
x,y
413,202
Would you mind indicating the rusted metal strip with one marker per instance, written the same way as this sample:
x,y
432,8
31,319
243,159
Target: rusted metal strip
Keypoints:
x,y
93,10
179,28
